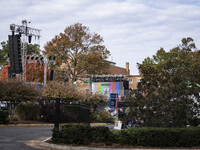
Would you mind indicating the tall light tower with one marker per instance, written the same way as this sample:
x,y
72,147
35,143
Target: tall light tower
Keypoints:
x,y
26,35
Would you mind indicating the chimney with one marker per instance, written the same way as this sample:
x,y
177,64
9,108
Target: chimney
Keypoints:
x,y
127,68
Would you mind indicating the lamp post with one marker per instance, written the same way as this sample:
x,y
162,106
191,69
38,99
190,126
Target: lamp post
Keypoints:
x,y
51,62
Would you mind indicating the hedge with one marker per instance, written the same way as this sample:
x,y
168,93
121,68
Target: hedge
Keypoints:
x,y
160,137
4,116
28,111
83,135
149,137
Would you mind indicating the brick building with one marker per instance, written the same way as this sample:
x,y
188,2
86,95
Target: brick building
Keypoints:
x,y
118,70
133,79
114,70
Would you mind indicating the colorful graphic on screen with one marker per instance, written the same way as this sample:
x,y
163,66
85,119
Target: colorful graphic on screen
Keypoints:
x,y
105,88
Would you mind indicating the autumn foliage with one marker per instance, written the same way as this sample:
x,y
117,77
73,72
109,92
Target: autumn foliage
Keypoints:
x,y
34,72
4,73
81,51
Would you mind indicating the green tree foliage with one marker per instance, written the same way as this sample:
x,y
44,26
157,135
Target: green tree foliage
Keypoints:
x,y
4,54
168,95
32,49
81,52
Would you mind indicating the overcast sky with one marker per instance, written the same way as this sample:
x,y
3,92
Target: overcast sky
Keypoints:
x,y
132,29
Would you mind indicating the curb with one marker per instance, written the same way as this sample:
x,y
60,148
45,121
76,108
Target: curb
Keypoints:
x,y
65,147
26,125
101,124
62,147
47,124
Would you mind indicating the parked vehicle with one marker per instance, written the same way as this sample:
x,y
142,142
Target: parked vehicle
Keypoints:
x,y
3,105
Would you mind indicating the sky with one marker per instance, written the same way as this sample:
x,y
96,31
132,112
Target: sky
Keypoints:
x,y
132,29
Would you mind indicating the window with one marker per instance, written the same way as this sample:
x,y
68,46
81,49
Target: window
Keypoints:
x,y
130,81
138,80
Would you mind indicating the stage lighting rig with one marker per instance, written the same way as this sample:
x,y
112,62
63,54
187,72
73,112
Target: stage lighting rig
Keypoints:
x,y
24,29
26,34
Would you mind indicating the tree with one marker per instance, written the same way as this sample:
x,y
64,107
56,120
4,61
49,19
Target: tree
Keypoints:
x,y
4,54
57,89
78,51
15,92
168,94
4,73
34,73
32,49
95,100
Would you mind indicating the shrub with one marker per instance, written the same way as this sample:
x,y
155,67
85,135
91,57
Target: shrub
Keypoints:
x,y
28,111
15,118
105,116
103,134
96,100
76,134
189,137
47,111
94,116
152,137
56,136
161,137
4,116
127,138
83,135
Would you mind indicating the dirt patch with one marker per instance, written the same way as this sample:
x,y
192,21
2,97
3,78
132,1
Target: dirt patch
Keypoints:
x,y
35,143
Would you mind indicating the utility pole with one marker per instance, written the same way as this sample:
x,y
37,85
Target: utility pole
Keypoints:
x,y
26,35
45,69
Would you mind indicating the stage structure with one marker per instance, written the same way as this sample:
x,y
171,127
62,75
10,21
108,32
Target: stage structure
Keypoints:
x,y
26,33
107,84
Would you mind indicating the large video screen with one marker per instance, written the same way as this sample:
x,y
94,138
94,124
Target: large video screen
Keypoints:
x,y
105,88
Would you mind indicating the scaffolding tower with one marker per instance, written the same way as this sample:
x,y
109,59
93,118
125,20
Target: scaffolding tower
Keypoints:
x,y
26,35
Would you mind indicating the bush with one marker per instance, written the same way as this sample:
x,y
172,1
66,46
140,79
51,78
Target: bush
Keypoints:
x,y
73,134
150,137
56,136
15,118
4,116
103,134
105,116
160,137
94,116
83,135
28,111
189,137
47,111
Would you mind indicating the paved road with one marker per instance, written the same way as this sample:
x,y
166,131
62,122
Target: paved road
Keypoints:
x,y
14,138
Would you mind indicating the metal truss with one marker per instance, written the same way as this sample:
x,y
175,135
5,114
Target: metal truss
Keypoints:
x,y
25,33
